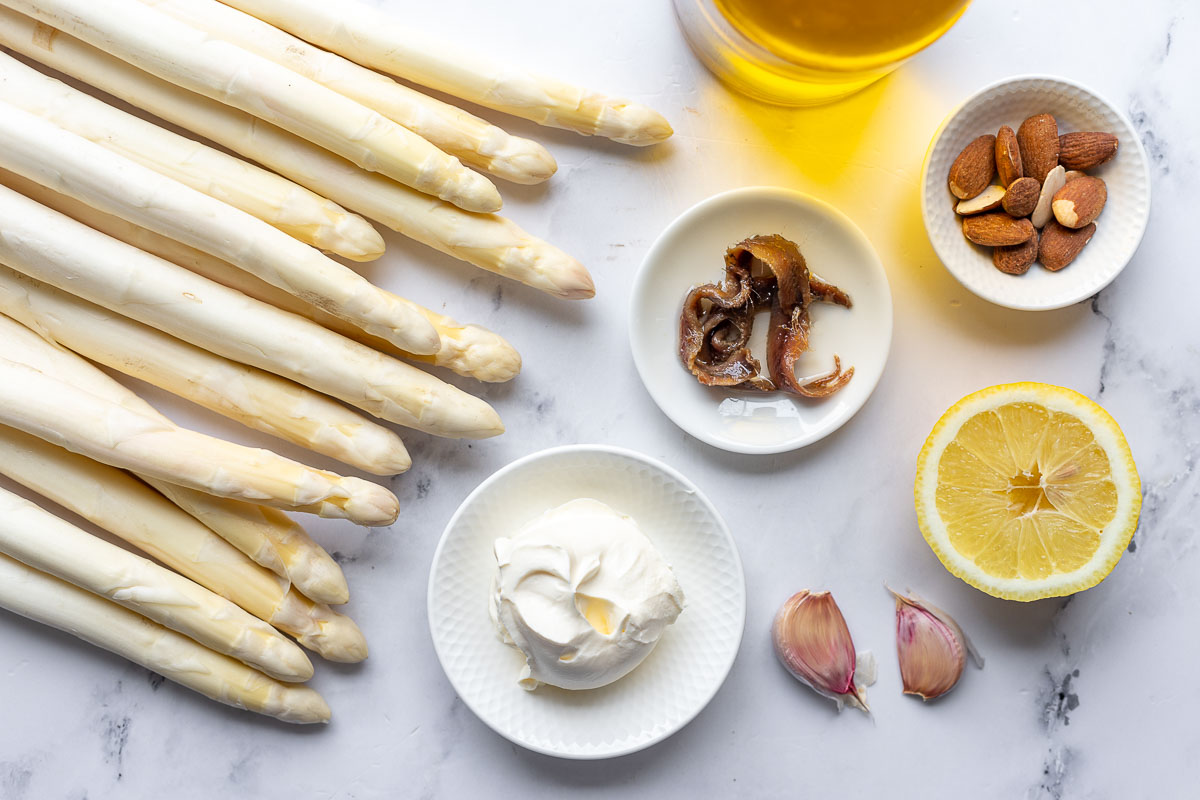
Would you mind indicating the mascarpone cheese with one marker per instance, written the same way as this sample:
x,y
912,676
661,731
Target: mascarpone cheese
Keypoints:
x,y
583,594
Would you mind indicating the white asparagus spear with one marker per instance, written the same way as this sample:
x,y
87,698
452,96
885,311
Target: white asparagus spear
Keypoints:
x,y
374,39
55,249
50,601
310,569
107,432
54,157
24,345
469,350
129,509
291,208
179,53
255,398
267,536
36,537
100,418
485,240
473,140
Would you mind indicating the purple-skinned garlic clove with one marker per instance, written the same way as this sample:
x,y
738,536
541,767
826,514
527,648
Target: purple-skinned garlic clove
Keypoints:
x,y
814,645
931,648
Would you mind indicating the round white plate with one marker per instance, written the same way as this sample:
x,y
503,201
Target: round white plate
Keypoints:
x,y
1118,230
691,251
675,681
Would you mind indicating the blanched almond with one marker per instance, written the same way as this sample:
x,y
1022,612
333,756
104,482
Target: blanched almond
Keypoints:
x,y
987,200
1055,180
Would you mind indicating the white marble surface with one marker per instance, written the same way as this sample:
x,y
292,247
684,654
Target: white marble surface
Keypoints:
x,y
1090,697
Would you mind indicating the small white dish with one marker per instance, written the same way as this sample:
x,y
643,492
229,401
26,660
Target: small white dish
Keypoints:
x,y
677,679
691,251
1119,229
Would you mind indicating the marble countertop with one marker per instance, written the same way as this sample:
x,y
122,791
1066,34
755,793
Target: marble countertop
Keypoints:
x,y
1085,697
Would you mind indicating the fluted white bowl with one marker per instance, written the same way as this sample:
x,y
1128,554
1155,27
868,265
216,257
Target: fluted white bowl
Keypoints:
x,y
1119,229
691,251
677,679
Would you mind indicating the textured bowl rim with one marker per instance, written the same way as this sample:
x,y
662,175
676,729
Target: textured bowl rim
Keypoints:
x,y
1097,97
643,276
553,452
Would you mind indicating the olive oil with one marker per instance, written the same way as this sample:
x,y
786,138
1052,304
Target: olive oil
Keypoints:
x,y
804,52
842,35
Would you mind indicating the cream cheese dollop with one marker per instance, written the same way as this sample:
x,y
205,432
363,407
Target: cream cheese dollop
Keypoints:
x,y
583,594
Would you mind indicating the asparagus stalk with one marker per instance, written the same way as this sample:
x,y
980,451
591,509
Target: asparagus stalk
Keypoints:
x,y
50,601
55,249
53,157
310,569
255,398
84,423
372,38
45,542
269,537
179,53
302,214
487,241
468,350
473,140
125,507
117,432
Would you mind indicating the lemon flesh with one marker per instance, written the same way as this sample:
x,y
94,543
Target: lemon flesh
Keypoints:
x,y
1027,491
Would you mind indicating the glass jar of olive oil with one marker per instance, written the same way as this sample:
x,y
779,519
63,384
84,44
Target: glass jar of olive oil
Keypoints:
x,y
806,52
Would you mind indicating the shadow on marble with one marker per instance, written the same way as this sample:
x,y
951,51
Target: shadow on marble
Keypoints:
x,y
823,141
571,775
969,315
111,673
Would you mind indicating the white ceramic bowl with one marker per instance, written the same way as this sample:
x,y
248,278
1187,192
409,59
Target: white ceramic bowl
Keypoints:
x,y
691,251
666,690
1118,230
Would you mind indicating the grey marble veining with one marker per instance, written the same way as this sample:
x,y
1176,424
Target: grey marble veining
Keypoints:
x,y
1087,697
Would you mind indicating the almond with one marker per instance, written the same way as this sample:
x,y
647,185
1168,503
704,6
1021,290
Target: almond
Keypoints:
x,y
997,228
987,200
1079,202
1072,174
1008,156
1016,258
1060,246
972,171
1038,141
1055,180
1022,197
1086,149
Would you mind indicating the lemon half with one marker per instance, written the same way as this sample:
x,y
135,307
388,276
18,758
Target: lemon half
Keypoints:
x,y
1027,490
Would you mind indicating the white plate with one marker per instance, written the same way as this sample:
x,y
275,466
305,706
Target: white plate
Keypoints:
x,y
1118,230
675,681
691,251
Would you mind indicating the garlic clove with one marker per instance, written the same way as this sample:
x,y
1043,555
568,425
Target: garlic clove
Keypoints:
x,y
931,647
813,643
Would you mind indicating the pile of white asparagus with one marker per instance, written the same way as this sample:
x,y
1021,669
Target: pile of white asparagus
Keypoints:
x,y
155,255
